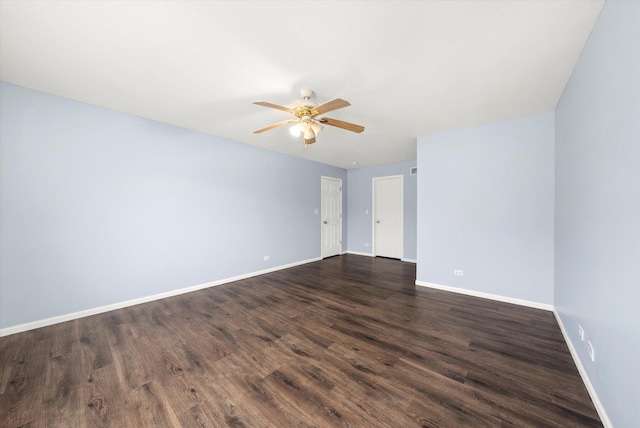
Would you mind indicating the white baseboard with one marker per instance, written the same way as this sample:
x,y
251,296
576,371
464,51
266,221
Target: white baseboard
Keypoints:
x,y
358,253
101,309
497,297
583,374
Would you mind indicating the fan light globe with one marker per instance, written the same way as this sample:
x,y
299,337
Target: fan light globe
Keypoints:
x,y
296,130
316,127
308,134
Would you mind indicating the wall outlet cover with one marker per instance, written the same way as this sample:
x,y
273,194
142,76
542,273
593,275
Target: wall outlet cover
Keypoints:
x,y
580,332
591,351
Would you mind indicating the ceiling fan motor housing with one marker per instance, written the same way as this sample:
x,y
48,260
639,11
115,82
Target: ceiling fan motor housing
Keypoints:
x,y
305,107
302,111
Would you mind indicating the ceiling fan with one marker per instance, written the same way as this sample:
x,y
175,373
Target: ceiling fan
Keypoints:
x,y
308,124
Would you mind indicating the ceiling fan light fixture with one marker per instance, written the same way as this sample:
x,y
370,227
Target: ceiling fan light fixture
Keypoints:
x,y
316,127
308,134
296,130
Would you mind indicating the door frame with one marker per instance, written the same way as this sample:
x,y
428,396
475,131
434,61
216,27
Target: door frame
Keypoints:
x,y
373,211
324,177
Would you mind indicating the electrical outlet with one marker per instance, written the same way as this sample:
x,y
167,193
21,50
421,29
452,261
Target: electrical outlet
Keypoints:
x,y
591,351
458,272
267,258
315,211
366,244
580,332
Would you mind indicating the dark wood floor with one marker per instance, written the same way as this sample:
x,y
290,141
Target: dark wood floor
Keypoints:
x,y
347,341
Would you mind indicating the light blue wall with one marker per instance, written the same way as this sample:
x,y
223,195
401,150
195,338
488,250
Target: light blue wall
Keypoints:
x,y
597,262
360,188
485,206
99,207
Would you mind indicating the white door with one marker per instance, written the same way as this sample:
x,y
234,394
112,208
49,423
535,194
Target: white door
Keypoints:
x,y
388,216
331,208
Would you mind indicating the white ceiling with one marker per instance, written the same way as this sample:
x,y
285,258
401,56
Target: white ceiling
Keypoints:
x,y
409,68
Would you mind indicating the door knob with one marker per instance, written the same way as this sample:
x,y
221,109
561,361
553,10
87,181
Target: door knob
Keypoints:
x,y
377,221
325,222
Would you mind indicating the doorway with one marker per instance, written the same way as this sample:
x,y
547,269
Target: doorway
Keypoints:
x,y
388,216
331,210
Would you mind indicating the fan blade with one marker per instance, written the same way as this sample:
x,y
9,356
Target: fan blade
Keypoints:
x,y
309,141
332,105
275,106
341,124
275,125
